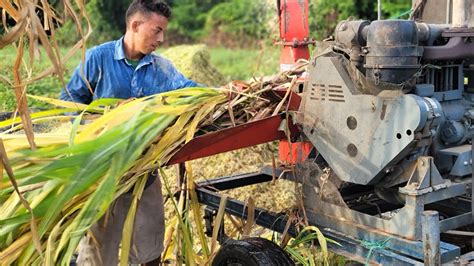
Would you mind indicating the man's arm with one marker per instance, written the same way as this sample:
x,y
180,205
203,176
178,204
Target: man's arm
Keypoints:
x,y
80,87
175,79
179,81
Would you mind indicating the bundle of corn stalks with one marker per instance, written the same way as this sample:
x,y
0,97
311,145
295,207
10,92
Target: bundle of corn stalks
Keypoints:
x,y
245,107
51,196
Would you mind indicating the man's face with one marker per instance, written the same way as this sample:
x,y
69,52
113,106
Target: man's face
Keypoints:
x,y
149,32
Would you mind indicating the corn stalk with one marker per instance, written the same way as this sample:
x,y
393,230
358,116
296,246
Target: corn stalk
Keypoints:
x,y
28,33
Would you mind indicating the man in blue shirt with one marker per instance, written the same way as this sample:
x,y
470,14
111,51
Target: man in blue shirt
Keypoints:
x,y
128,68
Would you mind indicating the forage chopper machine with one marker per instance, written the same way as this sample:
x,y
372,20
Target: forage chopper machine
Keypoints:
x,y
388,107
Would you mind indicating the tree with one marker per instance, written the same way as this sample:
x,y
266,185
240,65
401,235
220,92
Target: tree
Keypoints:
x,y
325,14
107,19
189,18
239,22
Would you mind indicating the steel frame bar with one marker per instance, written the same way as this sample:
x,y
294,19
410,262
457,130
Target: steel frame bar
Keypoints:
x,y
409,248
399,252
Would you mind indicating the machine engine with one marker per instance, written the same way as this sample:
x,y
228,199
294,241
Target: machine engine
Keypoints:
x,y
385,93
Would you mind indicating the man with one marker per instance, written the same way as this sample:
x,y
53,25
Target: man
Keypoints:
x,y
127,68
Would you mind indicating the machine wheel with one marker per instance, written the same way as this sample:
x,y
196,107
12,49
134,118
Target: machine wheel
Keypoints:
x,y
251,252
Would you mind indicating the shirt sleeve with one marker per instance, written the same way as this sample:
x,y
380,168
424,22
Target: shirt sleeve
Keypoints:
x,y
177,79
77,88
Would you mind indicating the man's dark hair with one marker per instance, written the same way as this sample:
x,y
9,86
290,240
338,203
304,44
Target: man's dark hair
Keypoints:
x,y
147,7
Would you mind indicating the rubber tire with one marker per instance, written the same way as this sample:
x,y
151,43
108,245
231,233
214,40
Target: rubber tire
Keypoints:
x,y
253,251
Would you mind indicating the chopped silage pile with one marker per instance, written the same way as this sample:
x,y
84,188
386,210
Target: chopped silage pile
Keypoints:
x,y
194,62
243,161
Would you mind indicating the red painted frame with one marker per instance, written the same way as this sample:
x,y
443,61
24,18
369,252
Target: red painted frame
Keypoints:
x,y
242,136
294,31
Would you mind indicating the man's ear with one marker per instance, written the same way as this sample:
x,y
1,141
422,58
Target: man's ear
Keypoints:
x,y
135,24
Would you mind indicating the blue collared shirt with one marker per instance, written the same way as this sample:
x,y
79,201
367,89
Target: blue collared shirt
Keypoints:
x,y
111,76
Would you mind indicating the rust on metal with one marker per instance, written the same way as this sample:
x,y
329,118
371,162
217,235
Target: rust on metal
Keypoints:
x,y
384,110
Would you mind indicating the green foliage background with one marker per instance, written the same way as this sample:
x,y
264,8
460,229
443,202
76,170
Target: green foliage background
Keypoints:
x,y
240,23
325,14
189,18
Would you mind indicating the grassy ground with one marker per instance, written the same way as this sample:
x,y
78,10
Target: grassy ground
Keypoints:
x,y
244,64
48,86
233,64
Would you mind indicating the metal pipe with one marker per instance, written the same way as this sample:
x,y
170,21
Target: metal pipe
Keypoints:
x,y
428,33
456,48
459,233
460,13
449,4
431,238
379,9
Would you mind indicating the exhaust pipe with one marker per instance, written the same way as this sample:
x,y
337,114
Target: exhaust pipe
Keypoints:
x,y
461,13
